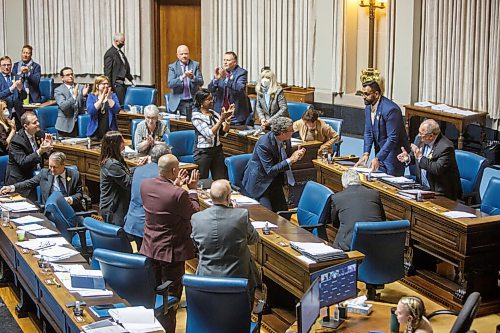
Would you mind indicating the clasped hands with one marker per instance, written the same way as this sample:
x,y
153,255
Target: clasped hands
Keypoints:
x,y
184,178
404,157
297,155
227,115
46,145
220,73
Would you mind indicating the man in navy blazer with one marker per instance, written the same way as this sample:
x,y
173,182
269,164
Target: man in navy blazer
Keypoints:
x,y
12,90
185,79
229,87
269,168
30,73
384,129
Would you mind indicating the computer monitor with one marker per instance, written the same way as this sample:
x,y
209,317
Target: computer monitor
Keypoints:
x,y
336,283
308,308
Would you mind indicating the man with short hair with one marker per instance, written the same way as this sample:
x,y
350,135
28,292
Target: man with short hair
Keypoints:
x,y
149,131
28,149
229,87
311,128
70,98
12,90
356,203
30,73
56,178
434,157
270,168
184,79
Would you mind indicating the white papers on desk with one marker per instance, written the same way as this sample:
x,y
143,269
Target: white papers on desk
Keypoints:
x,y
306,259
43,232
241,200
399,180
316,249
74,141
55,253
440,107
183,163
362,169
136,319
296,142
31,227
65,279
261,224
103,326
450,109
28,219
380,175
424,104
455,214
18,206
68,268
39,243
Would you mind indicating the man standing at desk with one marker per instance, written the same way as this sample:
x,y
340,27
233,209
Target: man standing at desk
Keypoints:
x,y
30,73
384,129
117,68
434,157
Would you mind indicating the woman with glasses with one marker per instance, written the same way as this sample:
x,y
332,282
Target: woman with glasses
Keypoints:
x,y
102,106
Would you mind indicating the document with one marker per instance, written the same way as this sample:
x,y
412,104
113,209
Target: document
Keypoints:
x,y
362,169
31,227
74,141
136,319
398,180
315,248
28,219
455,214
65,279
41,243
261,224
424,104
296,142
19,206
43,232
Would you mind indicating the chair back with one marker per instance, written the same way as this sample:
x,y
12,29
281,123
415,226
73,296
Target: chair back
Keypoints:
x,y
297,109
491,199
129,275
336,124
467,314
134,124
107,236
4,160
314,205
139,96
488,173
47,117
83,123
182,143
471,167
60,212
235,167
383,244
167,99
46,89
253,104
216,304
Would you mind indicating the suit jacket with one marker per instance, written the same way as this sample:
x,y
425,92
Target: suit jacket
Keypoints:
x,y
222,235
94,114
346,211
114,67
13,99
387,134
441,168
176,84
46,179
23,161
277,106
265,165
32,79
324,133
167,230
236,92
69,108
134,220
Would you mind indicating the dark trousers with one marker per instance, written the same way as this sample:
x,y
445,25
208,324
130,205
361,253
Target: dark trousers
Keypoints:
x,y
184,105
274,197
72,134
120,90
210,159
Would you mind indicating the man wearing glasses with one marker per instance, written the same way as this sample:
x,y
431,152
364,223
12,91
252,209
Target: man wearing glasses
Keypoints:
x,y
12,90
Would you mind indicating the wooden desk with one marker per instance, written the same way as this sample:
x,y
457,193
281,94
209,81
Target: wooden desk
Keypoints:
x,y
460,121
32,107
471,246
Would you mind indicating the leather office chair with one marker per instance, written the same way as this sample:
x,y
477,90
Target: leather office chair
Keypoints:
x,y
235,167
336,124
219,305
383,244
46,89
491,199
488,173
83,123
471,167
313,210
4,160
142,96
47,117
182,143
297,109
465,317
134,124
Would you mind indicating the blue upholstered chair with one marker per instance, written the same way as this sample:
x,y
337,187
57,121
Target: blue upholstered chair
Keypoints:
x,y
253,103
489,172
336,124
134,124
313,210
182,143
142,96
471,167
4,160
490,204
235,167
132,277
297,109
47,117
46,89
465,317
167,99
219,305
83,123
383,245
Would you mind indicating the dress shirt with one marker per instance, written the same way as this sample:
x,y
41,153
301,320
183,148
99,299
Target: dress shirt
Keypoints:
x,y
55,183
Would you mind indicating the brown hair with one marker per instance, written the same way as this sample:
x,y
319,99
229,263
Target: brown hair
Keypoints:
x,y
3,119
310,116
29,47
98,80
110,148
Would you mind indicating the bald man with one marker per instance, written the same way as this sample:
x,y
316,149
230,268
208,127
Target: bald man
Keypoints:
x,y
167,228
185,79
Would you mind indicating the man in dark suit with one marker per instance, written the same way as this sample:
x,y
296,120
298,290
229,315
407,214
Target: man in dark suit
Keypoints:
x,y
229,87
434,157
117,68
12,90
222,235
57,178
167,228
384,129
185,79
28,149
30,73
355,203
265,172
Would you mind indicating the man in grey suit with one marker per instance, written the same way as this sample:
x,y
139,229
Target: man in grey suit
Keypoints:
x,y
222,235
70,99
185,79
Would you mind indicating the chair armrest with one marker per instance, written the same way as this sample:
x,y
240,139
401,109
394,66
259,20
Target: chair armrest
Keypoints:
x,y
442,312
163,288
235,188
310,227
287,214
77,229
86,253
88,213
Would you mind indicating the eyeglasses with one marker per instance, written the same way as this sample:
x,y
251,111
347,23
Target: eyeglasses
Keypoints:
x,y
6,65
69,74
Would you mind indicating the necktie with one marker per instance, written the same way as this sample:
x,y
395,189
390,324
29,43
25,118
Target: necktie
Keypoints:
x,y
423,173
9,81
62,188
35,147
185,83
289,173
122,55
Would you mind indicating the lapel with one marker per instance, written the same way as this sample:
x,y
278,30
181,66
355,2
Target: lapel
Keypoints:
x,y
50,181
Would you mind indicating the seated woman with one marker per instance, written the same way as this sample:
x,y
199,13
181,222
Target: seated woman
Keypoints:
x,y
311,128
411,311
102,106
271,102
150,130
209,126
7,129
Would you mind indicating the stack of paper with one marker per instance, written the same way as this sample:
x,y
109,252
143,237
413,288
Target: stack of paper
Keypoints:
x,y
28,219
455,214
136,319
19,206
55,253
43,232
74,141
65,279
398,180
262,224
103,326
424,104
41,243
318,251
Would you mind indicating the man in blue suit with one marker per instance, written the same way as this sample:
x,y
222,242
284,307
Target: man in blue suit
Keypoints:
x,y
384,129
12,90
30,73
270,168
229,87
185,79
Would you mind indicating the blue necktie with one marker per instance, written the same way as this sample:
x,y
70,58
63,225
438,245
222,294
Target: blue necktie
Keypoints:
x,y
423,173
289,173
9,80
62,188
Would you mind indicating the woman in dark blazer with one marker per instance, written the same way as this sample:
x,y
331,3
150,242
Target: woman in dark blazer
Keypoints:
x,y
102,106
271,101
7,130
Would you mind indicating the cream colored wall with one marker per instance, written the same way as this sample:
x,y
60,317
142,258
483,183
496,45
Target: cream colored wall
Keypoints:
x,y
14,27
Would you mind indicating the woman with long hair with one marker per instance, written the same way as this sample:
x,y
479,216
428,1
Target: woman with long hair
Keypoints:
x,y
271,101
411,312
7,129
102,106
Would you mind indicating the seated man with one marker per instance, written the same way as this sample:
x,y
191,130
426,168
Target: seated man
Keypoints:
x,y
56,178
222,235
355,203
311,128
434,158
149,131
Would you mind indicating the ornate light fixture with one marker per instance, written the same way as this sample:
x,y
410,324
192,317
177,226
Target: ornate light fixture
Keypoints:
x,y
370,73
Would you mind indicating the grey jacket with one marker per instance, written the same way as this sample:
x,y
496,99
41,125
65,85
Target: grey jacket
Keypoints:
x,y
69,108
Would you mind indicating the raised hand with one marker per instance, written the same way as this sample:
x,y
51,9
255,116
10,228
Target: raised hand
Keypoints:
x,y
403,157
182,177
193,180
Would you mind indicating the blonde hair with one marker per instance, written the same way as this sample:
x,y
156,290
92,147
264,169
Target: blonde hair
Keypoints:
x,y
273,85
98,80
416,310
3,119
